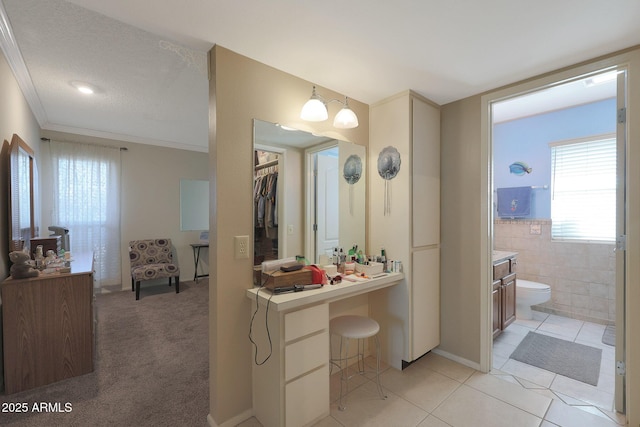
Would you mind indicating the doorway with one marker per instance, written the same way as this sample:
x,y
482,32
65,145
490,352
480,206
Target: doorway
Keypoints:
x,y
544,253
323,234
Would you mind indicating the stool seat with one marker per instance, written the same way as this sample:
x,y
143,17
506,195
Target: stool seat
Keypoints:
x,y
354,327
359,328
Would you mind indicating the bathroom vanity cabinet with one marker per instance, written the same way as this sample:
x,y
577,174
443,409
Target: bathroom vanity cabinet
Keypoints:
x,y
504,290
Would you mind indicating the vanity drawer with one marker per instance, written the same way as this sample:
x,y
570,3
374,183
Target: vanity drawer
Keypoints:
x,y
513,264
501,269
307,398
305,355
306,321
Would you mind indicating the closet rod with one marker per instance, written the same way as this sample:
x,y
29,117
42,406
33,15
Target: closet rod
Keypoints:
x,y
268,164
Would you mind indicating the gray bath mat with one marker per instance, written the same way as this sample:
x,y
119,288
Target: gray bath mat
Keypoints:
x,y
609,336
577,361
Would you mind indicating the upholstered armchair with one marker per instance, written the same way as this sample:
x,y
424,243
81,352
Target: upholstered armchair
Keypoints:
x,y
152,259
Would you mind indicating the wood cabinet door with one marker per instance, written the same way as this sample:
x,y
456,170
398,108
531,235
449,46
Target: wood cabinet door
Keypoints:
x,y
497,308
508,300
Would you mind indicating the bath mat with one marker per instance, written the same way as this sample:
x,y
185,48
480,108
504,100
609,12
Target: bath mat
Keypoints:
x,y
609,336
577,361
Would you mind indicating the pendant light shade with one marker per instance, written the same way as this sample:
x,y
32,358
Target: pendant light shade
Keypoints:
x,y
315,110
346,118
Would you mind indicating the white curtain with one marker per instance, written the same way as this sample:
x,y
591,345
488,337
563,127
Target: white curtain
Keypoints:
x,y
86,200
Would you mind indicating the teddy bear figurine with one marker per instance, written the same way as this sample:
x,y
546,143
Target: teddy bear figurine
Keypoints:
x,y
21,269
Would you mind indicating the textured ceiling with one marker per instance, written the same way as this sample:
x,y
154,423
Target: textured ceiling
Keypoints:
x,y
147,55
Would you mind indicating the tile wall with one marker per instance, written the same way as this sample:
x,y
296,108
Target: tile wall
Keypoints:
x,y
581,275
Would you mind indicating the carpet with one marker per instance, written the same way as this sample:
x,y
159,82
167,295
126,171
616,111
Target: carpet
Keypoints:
x,y
609,335
577,361
151,366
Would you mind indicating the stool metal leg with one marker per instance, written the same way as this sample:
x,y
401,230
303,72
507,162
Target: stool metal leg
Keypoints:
x,y
380,390
344,373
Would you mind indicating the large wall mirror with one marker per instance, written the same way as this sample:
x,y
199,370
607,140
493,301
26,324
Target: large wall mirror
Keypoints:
x,y
309,194
21,194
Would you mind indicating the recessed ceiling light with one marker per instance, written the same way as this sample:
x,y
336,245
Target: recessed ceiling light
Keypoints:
x,y
85,88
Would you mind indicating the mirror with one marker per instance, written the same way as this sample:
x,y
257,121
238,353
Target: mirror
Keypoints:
x,y
194,205
309,194
21,194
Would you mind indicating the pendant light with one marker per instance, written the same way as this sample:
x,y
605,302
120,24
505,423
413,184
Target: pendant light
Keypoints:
x,y
315,110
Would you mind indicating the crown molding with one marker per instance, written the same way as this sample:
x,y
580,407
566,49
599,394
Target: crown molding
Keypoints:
x,y
16,62
126,138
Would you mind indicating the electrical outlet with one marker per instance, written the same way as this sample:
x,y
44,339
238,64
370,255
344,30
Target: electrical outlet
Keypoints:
x,y
241,247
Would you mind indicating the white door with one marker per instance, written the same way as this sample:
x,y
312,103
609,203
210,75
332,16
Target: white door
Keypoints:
x,y
327,203
621,220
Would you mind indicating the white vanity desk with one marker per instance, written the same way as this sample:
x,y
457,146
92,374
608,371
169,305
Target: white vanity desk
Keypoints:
x,y
292,387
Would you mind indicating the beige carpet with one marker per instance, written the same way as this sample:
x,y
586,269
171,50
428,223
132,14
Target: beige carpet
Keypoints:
x,y
152,365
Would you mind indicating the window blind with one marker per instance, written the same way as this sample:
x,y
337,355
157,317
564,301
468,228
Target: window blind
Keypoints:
x,y
583,205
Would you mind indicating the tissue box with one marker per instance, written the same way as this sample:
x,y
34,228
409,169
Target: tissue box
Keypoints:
x,y
369,269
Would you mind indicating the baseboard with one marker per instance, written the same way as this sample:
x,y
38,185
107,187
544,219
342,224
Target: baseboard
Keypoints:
x,y
238,419
458,359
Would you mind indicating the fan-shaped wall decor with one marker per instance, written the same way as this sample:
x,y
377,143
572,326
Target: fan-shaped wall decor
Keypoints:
x,y
388,168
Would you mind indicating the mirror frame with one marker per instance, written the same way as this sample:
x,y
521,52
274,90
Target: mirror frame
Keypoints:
x,y
15,238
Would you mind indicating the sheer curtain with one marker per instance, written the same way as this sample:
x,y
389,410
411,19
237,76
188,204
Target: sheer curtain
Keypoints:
x,y
86,200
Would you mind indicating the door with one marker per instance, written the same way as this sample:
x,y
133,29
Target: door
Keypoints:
x,y
327,203
621,221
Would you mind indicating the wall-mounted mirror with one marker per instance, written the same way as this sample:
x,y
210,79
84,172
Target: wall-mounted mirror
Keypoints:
x,y
309,194
21,194
194,205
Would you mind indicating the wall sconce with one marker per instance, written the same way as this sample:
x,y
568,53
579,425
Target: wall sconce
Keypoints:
x,y
315,110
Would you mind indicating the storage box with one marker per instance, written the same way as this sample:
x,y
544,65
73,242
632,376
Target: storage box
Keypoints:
x,y
369,269
280,278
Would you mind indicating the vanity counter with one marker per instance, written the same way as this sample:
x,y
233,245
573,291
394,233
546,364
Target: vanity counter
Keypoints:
x,y
291,339
499,256
327,293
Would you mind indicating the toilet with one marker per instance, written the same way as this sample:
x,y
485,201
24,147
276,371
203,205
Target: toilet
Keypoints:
x,y
530,293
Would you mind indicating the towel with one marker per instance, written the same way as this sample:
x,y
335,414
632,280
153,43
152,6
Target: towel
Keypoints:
x,y
514,202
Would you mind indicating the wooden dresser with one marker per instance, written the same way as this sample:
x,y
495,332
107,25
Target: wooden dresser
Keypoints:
x,y
48,326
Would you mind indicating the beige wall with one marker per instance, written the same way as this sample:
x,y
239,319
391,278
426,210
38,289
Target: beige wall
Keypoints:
x,y
466,232
15,117
461,248
149,197
242,89
581,274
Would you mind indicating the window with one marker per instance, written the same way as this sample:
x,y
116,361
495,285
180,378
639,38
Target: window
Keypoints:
x,y
86,198
583,203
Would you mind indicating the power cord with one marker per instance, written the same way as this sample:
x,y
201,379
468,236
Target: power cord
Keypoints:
x,y
266,323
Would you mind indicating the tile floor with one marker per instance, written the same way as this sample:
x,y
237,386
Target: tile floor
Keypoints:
x,y
437,392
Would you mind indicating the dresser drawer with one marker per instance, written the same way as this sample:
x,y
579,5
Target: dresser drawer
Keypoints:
x,y
306,321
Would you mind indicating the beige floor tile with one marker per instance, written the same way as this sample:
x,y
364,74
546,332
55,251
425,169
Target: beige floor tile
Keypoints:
x,y
529,373
423,387
447,367
470,407
432,421
365,408
568,416
513,394
582,391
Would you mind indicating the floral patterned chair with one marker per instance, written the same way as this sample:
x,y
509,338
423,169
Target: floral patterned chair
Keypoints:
x,y
152,259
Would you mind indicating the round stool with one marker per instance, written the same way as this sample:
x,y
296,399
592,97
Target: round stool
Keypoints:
x,y
360,328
